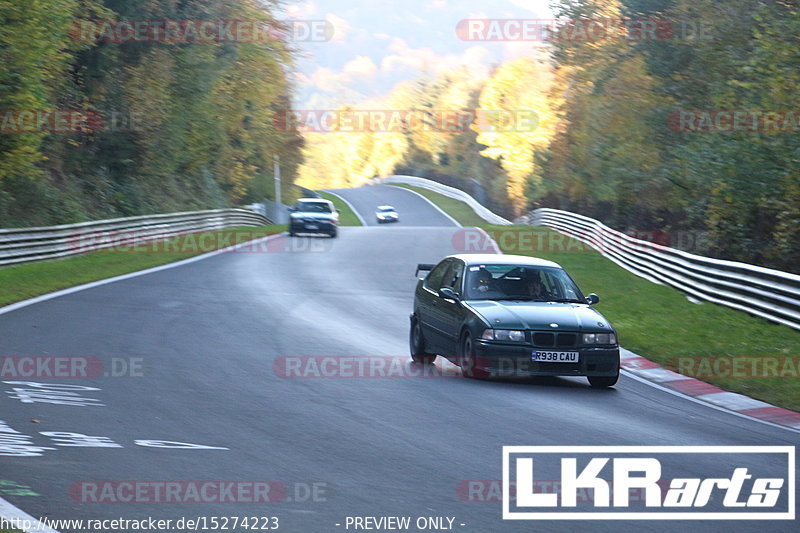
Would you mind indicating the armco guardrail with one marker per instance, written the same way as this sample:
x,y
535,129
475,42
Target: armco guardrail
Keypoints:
x,y
448,191
32,244
768,293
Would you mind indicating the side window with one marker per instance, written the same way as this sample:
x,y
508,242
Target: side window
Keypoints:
x,y
558,286
434,279
453,277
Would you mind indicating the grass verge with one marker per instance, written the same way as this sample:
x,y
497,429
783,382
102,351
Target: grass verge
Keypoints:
x,y
457,209
346,215
20,282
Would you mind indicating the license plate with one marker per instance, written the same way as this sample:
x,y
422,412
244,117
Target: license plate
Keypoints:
x,y
312,226
555,357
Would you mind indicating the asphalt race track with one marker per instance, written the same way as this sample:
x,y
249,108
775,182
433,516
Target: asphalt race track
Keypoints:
x,y
207,340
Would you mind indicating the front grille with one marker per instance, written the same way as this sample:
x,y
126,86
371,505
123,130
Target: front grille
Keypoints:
x,y
565,340
550,340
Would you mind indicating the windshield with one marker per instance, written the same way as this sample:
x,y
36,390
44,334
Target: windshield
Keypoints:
x,y
514,282
386,209
313,207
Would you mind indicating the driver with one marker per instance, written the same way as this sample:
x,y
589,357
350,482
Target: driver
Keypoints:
x,y
481,281
536,288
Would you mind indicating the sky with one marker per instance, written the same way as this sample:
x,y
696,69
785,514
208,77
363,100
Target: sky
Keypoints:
x,y
377,44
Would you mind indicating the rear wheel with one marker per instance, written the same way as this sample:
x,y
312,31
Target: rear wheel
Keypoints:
x,y
333,233
417,345
468,361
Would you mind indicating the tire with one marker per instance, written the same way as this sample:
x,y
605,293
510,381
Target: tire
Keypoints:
x,y
292,233
602,382
416,344
333,234
467,359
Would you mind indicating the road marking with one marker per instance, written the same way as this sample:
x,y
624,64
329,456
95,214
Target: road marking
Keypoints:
x,y
353,209
79,440
733,401
14,514
454,221
13,488
54,393
176,445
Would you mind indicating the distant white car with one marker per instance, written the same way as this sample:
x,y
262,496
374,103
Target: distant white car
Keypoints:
x,y
386,213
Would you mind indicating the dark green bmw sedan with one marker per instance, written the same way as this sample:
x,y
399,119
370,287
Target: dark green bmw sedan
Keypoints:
x,y
511,315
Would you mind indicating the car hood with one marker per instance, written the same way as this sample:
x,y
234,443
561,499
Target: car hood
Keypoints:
x,y
540,315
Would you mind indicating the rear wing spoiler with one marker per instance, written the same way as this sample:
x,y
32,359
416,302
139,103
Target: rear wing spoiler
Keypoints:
x,y
424,267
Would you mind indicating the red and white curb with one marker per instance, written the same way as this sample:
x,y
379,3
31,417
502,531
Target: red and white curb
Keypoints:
x,y
701,391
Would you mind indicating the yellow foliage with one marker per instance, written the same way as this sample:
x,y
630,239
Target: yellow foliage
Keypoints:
x,y
522,88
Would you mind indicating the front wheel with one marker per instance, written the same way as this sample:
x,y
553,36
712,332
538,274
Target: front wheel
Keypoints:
x,y
469,367
602,382
417,345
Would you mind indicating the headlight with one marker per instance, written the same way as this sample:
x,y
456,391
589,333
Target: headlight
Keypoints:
x,y
503,335
599,338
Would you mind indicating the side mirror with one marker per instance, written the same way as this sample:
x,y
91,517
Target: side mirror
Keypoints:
x,y
592,299
424,267
447,292
291,208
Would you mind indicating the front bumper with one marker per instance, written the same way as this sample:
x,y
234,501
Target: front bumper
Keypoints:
x,y
312,226
515,360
